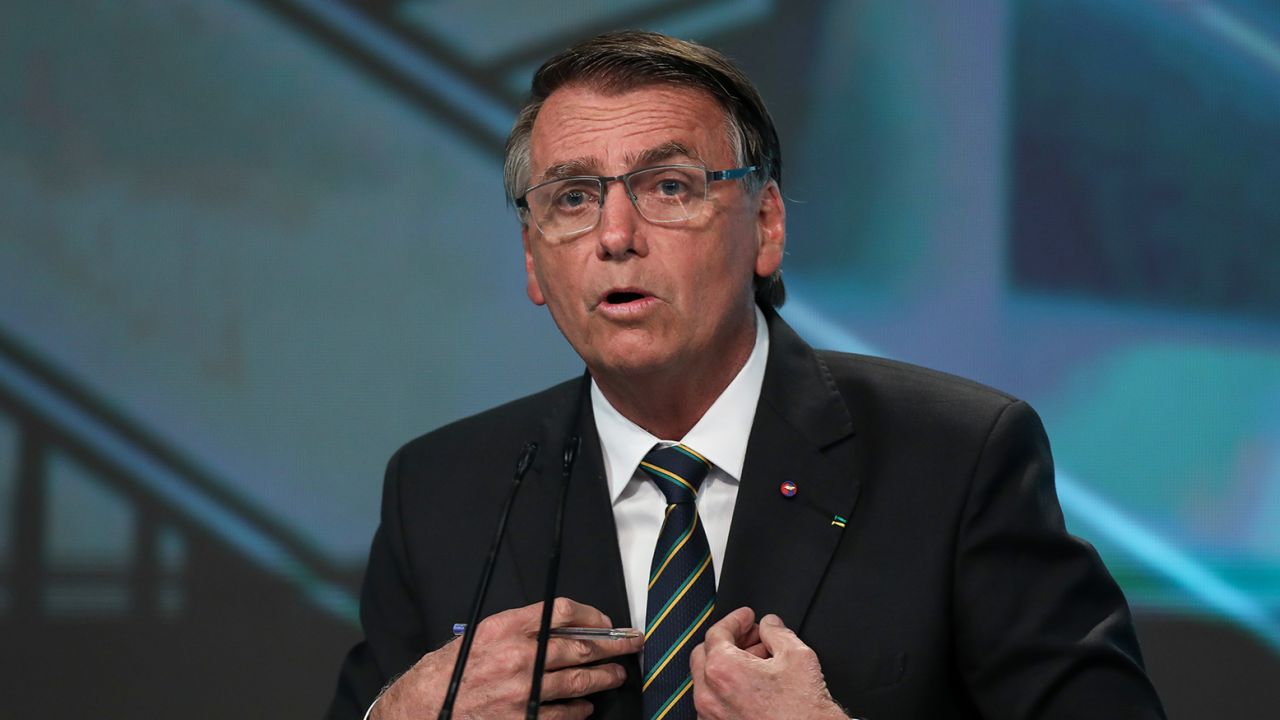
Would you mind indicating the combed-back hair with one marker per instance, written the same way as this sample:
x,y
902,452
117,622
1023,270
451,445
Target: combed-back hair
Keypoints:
x,y
618,62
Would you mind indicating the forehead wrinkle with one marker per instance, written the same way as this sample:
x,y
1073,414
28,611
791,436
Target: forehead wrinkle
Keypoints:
x,y
573,113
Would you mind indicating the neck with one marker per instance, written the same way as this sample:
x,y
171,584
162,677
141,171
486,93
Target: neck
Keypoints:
x,y
669,402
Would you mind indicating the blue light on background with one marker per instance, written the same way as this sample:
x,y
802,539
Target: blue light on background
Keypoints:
x,y
217,221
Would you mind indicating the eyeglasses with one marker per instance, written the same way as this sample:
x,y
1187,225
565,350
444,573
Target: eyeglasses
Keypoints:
x,y
565,207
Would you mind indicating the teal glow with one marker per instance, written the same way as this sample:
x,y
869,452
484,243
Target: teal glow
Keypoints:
x,y
1238,32
1106,521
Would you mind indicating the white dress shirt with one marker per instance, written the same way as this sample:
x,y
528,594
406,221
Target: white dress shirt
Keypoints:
x,y
639,506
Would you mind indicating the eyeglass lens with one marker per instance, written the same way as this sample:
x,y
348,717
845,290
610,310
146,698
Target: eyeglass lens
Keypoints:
x,y
661,195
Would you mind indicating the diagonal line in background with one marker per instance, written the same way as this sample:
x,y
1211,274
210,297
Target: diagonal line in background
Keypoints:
x,y
1230,27
190,491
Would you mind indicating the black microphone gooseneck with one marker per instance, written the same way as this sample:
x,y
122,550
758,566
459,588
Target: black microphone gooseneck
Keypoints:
x,y
473,620
571,446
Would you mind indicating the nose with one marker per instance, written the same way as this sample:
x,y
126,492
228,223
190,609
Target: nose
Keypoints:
x,y
620,227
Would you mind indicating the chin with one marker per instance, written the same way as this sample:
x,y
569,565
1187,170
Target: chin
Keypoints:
x,y
637,361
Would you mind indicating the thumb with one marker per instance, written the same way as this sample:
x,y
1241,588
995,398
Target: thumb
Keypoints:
x,y
776,637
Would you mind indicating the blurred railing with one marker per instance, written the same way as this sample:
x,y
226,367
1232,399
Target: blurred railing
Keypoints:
x,y
157,511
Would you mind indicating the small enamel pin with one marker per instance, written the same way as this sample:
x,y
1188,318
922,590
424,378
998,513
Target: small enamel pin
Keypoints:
x,y
788,489
838,521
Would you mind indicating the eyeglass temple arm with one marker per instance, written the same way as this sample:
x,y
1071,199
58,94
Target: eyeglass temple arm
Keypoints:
x,y
733,174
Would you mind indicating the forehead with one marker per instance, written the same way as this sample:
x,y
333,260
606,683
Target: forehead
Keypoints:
x,y
608,130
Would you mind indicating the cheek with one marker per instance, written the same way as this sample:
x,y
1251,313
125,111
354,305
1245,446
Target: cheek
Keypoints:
x,y
730,273
559,285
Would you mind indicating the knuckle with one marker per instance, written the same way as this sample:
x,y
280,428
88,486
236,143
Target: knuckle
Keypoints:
x,y
718,671
705,704
510,661
562,608
582,650
494,626
577,683
806,655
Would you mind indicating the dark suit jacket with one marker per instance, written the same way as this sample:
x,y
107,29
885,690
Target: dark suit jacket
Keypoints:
x,y
953,591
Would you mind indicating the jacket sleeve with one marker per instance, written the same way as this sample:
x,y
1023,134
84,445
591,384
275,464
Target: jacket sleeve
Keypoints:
x,y
1043,631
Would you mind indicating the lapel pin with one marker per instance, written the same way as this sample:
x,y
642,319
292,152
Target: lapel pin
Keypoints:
x,y
788,489
838,521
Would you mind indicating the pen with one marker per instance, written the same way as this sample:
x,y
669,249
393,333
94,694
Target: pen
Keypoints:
x,y
582,633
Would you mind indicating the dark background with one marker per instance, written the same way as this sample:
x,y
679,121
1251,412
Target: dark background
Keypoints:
x,y
247,248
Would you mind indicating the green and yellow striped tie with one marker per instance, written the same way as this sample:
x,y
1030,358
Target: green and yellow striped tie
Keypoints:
x,y
682,585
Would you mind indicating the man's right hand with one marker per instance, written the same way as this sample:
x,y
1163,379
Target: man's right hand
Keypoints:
x,y
500,668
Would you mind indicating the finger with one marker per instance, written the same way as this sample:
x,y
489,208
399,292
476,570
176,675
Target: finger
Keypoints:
x,y
577,682
566,612
567,652
526,620
777,638
698,663
703,697
730,629
571,710
758,650
751,638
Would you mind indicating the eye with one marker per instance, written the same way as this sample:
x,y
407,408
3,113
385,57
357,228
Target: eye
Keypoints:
x,y
571,199
573,196
666,184
672,187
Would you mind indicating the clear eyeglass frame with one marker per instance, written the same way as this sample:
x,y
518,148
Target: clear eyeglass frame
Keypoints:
x,y
566,207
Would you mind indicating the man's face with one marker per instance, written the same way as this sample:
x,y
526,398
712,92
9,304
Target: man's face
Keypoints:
x,y
634,297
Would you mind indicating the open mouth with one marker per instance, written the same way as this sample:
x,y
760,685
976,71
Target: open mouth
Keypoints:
x,y
623,297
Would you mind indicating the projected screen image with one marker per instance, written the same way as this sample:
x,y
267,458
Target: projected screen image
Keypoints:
x,y
246,252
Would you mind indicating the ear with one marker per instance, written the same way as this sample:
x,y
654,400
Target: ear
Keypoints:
x,y
771,230
531,276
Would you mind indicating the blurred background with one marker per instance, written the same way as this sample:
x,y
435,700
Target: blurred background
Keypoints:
x,y
249,247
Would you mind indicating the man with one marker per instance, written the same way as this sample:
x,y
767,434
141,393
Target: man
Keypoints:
x,y
800,534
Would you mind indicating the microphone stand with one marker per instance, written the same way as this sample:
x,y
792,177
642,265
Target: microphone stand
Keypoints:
x,y
553,566
473,621
553,563
553,572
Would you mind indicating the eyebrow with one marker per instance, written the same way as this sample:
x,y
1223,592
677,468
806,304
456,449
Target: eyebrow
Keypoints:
x,y
662,153
589,166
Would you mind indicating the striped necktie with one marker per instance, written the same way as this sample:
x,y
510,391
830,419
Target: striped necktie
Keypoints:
x,y
682,585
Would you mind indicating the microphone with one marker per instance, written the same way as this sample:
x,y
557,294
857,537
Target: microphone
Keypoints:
x,y
553,571
523,464
553,563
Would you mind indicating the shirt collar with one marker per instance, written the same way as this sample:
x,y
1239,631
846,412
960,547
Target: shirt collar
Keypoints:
x,y
720,435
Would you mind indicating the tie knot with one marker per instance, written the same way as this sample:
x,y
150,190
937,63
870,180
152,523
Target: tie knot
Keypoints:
x,y
677,470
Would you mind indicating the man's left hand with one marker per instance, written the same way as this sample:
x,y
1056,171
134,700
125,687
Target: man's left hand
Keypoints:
x,y
745,670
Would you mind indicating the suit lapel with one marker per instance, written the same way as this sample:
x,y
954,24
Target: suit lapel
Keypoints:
x,y
590,563
779,547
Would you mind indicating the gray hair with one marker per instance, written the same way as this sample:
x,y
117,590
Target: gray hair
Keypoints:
x,y
617,62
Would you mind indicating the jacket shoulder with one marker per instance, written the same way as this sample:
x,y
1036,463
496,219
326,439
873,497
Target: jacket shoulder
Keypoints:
x,y
904,379
875,387
504,428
